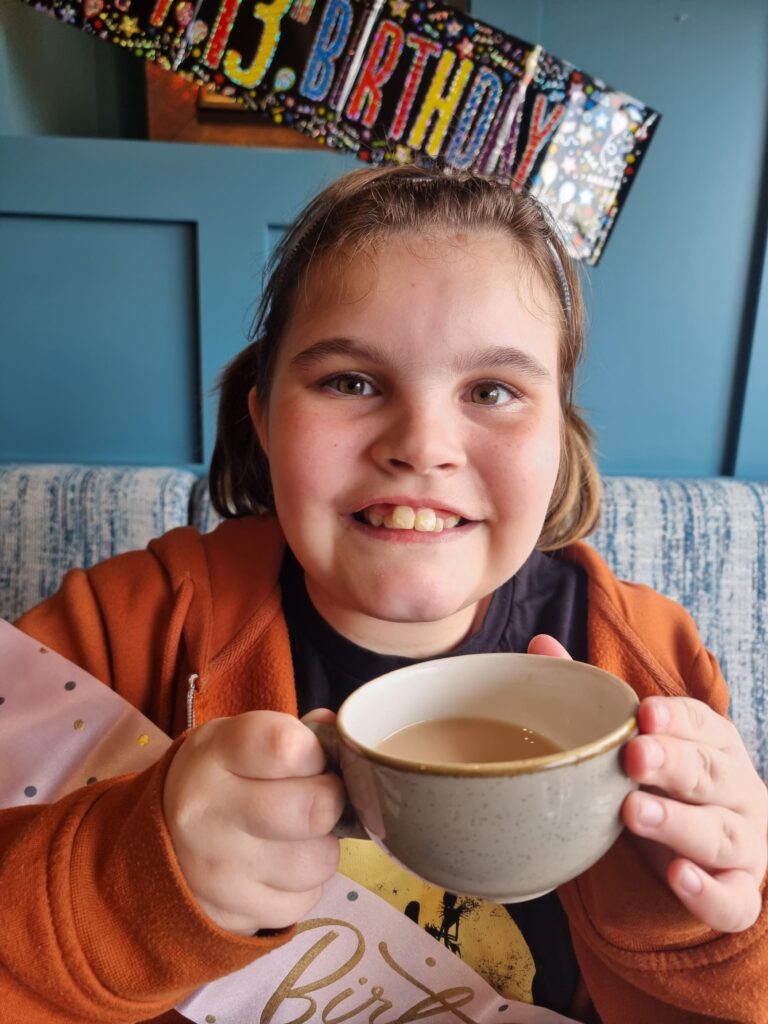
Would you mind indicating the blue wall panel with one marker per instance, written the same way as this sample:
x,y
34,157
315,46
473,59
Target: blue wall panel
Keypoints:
x,y
100,358
56,80
177,233
752,451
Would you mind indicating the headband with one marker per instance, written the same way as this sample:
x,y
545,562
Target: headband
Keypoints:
x,y
565,291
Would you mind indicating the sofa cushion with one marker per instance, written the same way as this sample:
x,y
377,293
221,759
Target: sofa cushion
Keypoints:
x,y
57,517
203,516
704,544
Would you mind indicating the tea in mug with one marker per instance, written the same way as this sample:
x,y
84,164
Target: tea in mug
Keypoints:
x,y
466,741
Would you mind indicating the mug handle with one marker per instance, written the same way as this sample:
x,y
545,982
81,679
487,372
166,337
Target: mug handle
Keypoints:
x,y
348,826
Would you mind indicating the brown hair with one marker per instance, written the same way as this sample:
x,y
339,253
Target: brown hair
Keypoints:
x,y
346,217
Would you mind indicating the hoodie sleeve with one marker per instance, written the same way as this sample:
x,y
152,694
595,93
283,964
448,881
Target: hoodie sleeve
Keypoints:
x,y
644,958
98,921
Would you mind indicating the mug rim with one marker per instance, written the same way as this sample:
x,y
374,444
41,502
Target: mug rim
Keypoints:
x,y
494,769
498,769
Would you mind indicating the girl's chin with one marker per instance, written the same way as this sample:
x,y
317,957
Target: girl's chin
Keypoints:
x,y
409,605
412,621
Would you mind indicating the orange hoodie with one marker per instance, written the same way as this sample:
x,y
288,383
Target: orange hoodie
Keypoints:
x,y
98,922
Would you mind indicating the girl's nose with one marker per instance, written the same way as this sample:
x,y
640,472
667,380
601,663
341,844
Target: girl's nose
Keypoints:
x,y
422,441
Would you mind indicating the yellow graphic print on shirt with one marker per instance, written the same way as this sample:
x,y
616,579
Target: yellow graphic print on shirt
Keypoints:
x,y
481,933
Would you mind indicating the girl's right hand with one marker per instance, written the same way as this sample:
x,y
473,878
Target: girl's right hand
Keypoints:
x,y
249,806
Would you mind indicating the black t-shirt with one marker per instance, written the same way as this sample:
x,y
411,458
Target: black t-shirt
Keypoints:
x,y
547,595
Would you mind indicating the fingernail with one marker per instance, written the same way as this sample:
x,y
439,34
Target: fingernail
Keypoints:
x,y
661,714
654,753
690,880
651,811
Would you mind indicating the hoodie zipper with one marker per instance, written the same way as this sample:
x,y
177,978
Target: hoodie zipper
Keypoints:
x,y
192,689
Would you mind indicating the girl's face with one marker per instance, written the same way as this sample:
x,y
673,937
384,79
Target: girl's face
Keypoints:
x,y
426,379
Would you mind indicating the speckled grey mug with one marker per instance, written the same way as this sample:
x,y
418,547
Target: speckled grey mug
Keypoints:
x,y
505,831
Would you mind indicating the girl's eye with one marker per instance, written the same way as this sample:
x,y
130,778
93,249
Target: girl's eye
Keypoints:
x,y
351,385
490,392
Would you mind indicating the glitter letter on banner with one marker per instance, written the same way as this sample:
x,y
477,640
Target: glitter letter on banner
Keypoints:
x,y
464,148
271,14
379,65
541,128
329,44
438,101
404,81
423,49
222,29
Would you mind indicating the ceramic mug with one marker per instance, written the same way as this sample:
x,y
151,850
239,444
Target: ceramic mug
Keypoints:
x,y
505,831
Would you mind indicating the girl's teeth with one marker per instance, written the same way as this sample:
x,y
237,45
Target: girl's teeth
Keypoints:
x,y
401,518
425,520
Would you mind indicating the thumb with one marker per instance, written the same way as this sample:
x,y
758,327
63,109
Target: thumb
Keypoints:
x,y
319,715
544,644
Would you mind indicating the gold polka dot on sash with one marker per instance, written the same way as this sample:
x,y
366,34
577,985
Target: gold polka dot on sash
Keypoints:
x,y
78,724
143,740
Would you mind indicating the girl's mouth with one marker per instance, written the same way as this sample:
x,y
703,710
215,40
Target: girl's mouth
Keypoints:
x,y
403,517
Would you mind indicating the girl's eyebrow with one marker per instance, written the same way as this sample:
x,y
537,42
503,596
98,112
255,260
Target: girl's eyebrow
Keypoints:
x,y
338,347
505,356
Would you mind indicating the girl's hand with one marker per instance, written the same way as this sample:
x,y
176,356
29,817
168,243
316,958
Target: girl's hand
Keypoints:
x,y
703,801
250,806
702,808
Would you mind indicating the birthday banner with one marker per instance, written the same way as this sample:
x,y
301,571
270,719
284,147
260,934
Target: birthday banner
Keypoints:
x,y
403,81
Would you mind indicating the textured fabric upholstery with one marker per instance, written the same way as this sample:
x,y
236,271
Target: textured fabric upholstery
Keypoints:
x,y
55,518
203,516
703,543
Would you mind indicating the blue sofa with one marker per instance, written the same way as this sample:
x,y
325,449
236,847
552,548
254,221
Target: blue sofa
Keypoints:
x,y
703,543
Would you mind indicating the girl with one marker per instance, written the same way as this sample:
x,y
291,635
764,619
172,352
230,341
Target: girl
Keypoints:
x,y
404,475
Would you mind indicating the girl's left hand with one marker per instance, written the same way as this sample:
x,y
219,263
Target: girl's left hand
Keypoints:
x,y
702,807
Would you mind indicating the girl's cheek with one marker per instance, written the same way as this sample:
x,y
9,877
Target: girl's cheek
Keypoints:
x,y
532,444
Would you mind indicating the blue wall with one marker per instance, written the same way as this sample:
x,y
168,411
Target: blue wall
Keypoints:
x,y
134,266
129,276
672,299
55,82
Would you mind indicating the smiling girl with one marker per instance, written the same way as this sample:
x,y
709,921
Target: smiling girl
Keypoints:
x,y
403,475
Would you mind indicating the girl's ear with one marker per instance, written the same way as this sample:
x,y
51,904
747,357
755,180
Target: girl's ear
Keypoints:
x,y
258,414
